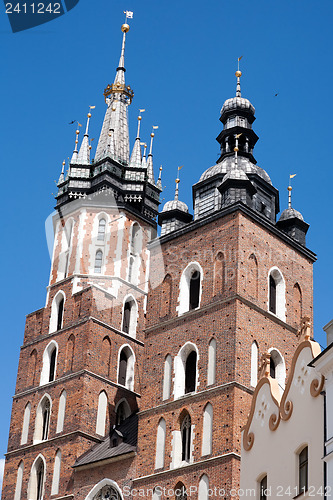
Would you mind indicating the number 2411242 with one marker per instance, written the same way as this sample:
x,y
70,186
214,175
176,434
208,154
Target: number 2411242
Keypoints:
x,y
33,8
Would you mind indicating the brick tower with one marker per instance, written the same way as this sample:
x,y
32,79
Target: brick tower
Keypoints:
x,y
138,372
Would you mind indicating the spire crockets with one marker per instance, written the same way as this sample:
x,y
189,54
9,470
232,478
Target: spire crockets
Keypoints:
x,y
83,157
135,161
118,97
150,168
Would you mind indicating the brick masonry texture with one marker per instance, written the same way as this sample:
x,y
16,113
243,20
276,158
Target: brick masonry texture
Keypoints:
x,y
236,254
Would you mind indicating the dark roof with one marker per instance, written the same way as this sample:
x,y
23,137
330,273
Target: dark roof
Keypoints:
x,y
105,450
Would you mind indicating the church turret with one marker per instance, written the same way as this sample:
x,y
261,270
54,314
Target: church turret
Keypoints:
x,y
83,157
291,221
175,213
236,177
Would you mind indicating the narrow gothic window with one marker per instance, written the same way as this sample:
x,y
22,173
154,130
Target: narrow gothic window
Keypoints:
x,y
190,372
56,474
53,357
98,261
101,413
254,364
263,489
204,488
101,230
303,470
40,480
207,430
26,422
45,419
211,362
277,367
122,368
19,479
130,269
61,411
194,290
60,314
272,368
167,377
127,316
272,294
160,444
185,431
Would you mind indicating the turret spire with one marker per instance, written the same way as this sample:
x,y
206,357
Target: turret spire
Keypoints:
x,y
150,168
159,180
84,153
76,152
135,161
144,158
118,97
62,177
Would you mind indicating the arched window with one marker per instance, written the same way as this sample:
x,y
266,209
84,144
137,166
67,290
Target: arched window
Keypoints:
x,y
57,312
252,281
219,274
53,357
130,313
37,479
70,353
157,493
19,479
66,245
165,298
26,422
56,474
101,413
106,356
194,290
98,261
254,364
263,488
49,363
180,492
186,433
101,230
211,373
207,430
190,372
186,373
203,488
43,415
297,305
303,471
160,444
105,489
126,368
276,293
136,239
277,367
61,411
134,253
122,411
167,377
32,367
190,288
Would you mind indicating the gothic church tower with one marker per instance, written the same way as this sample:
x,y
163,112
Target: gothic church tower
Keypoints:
x,y
139,371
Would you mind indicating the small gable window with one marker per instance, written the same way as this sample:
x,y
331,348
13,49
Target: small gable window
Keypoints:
x,y
101,230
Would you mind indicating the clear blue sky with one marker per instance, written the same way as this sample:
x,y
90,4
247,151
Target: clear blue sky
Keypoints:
x,y
180,60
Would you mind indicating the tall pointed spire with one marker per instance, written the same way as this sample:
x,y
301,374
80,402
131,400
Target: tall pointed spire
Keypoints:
x,y
135,161
118,97
144,158
62,177
159,180
84,153
75,152
150,168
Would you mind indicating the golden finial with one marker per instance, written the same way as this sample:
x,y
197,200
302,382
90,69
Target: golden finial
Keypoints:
x,y
291,176
152,134
125,28
63,163
238,74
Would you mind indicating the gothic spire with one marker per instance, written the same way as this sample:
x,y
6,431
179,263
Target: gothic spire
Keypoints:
x,y
150,168
62,177
84,153
75,152
159,180
118,97
135,161
144,158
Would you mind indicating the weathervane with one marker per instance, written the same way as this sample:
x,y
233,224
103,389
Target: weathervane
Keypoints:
x,y
291,176
238,74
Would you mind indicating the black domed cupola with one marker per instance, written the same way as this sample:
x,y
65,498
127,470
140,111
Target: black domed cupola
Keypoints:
x,y
237,116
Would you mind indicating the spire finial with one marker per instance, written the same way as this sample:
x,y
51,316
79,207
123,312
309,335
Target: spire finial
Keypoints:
x,y
236,149
62,178
139,122
177,183
238,75
83,158
291,176
144,157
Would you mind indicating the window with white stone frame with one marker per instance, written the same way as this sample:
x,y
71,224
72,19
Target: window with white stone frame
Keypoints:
x,y
276,293
126,362
43,416
57,312
37,479
277,367
160,444
186,370
190,288
50,355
